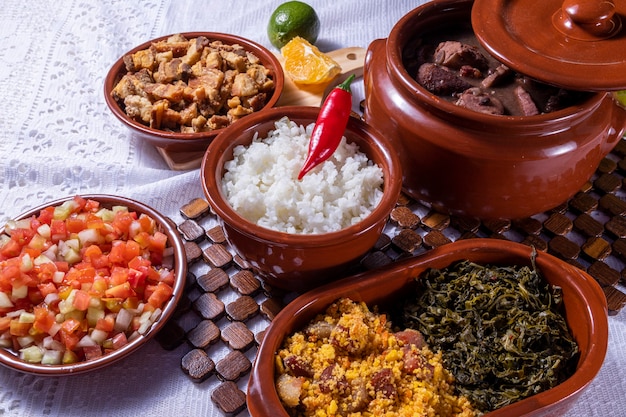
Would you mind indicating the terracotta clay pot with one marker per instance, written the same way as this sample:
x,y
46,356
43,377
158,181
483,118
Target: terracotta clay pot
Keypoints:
x,y
584,305
473,164
188,142
299,262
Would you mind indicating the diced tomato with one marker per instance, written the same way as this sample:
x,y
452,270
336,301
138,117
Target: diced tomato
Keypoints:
x,y
62,266
92,352
143,239
92,205
154,276
80,203
122,221
45,271
22,236
120,291
116,255
137,277
119,275
34,296
33,252
94,222
5,323
47,288
99,286
138,262
119,340
75,224
160,295
10,249
106,324
158,241
81,300
69,340
44,319
18,329
58,230
70,325
8,274
81,272
99,260
132,250
45,215
147,223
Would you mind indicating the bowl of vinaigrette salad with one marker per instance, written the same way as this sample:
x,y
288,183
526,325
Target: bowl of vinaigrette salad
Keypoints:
x,y
84,282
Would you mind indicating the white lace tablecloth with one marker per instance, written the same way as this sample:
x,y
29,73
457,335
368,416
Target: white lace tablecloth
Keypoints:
x,y
58,138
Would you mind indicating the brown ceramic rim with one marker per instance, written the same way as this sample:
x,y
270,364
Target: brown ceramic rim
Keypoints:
x,y
11,360
423,17
521,34
383,285
217,153
162,137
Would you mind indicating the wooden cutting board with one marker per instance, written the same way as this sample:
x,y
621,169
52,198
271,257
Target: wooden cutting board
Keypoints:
x,y
351,61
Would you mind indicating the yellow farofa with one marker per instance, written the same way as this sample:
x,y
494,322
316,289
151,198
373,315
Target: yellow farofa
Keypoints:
x,y
361,344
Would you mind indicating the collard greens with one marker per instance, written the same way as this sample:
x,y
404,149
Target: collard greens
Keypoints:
x,y
500,330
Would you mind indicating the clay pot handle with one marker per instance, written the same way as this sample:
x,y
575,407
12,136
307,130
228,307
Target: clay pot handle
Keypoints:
x,y
587,19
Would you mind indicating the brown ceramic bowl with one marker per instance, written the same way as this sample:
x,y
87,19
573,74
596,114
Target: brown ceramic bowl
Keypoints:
x,y
10,359
188,142
298,261
584,302
473,164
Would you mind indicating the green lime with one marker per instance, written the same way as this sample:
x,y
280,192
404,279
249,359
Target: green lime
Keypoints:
x,y
291,19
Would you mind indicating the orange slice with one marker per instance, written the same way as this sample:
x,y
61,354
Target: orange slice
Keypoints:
x,y
305,64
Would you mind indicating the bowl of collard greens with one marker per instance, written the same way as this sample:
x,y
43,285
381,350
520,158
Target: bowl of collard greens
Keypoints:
x,y
523,332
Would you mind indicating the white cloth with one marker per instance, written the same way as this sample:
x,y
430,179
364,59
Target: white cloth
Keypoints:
x,y
58,138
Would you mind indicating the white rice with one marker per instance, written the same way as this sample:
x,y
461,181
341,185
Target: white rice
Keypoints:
x,y
261,183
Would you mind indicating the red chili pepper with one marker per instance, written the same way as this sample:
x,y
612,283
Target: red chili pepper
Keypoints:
x,y
329,127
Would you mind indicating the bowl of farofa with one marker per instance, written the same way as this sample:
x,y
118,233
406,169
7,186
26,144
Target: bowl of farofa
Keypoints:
x,y
177,92
299,234
582,306
66,319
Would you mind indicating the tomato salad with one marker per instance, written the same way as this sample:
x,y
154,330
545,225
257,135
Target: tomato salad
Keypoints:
x,y
79,280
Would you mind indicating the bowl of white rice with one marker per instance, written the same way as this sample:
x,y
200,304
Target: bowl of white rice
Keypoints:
x,y
298,234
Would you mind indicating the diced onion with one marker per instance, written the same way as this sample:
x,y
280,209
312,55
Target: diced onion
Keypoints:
x,y
123,319
15,313
5,301
85,341
19,292
54,329
52,357
26,317
99,336
50,343
51,298
32,354
45,258
25,341
27,263
44,230
58,276
89,236
51,253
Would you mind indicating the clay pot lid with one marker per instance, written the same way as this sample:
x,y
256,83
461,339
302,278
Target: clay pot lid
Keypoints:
x,y
574,44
